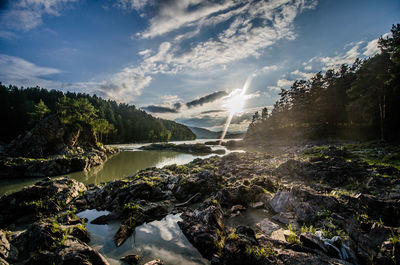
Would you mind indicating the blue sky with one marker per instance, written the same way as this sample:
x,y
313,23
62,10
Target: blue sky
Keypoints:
x,y
162,55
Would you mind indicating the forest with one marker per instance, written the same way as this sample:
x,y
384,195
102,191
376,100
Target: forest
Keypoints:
x,y
21,108
360,101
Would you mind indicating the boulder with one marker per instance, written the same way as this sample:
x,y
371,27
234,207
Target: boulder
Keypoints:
x,y
267,227
283,201
76,252
202,228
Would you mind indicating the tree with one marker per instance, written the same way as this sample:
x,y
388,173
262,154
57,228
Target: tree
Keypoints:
x,y
78,113
102,127
40,110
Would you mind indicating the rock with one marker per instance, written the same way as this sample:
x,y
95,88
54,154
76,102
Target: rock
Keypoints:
x,y
378,235
4,245
290,257
283,201
185,148
51,149
3,262
279,235
267,227
311,241
75,252
154,262
202,229
257,205
105,219
284,218
44,198
127,227
131,259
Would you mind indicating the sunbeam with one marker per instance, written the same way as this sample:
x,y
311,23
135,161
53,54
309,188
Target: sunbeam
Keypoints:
x,y
235,105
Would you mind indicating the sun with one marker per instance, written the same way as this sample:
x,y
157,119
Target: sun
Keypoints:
x,y
235,102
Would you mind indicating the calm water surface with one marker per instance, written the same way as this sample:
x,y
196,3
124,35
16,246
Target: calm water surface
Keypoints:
x,y
155,240
129,161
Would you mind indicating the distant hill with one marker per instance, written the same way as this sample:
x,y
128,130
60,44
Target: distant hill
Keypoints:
x,y
202,133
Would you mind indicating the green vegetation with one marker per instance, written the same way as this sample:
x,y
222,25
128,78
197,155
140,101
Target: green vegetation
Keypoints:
x,y
112,122
132,207
292,237
260,253
357,101
40,110
37,205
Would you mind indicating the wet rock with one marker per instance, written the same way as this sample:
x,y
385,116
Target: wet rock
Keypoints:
x,y
43,198
127,228
81,233
267,227
185,148
311,241
202,229
131,259
105,219
75,252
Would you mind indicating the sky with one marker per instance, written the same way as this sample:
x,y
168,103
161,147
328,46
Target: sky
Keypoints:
x,y
185,60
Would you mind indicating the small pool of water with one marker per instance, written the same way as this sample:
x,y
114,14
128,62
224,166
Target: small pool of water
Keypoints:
x,y
249,217
155,240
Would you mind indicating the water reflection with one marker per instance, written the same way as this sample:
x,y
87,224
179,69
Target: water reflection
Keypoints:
x,y
125,163
249,217
159,239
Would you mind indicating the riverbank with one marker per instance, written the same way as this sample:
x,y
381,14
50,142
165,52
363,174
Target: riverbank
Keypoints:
x,y
328,205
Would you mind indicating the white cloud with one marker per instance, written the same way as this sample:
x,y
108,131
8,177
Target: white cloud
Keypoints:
x,y
274,88
284,83
7,35
132,4
347,58
15,68
308,67
372,47
269,68
27,14
176,14
302,74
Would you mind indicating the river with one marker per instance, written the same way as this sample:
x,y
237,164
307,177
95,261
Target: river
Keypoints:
x,y
126,163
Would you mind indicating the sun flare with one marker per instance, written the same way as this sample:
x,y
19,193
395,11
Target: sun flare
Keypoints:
x,y
235,103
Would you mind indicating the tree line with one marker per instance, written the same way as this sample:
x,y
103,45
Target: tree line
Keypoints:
x,y
21,108
361,100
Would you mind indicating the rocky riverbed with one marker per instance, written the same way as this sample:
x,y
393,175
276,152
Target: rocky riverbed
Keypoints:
x,y
327,205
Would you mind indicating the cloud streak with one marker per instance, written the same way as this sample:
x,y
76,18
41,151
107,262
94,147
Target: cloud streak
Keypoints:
x,y
207,99
25,15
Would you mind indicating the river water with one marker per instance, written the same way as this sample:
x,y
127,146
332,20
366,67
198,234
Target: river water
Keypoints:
x,y
126,163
